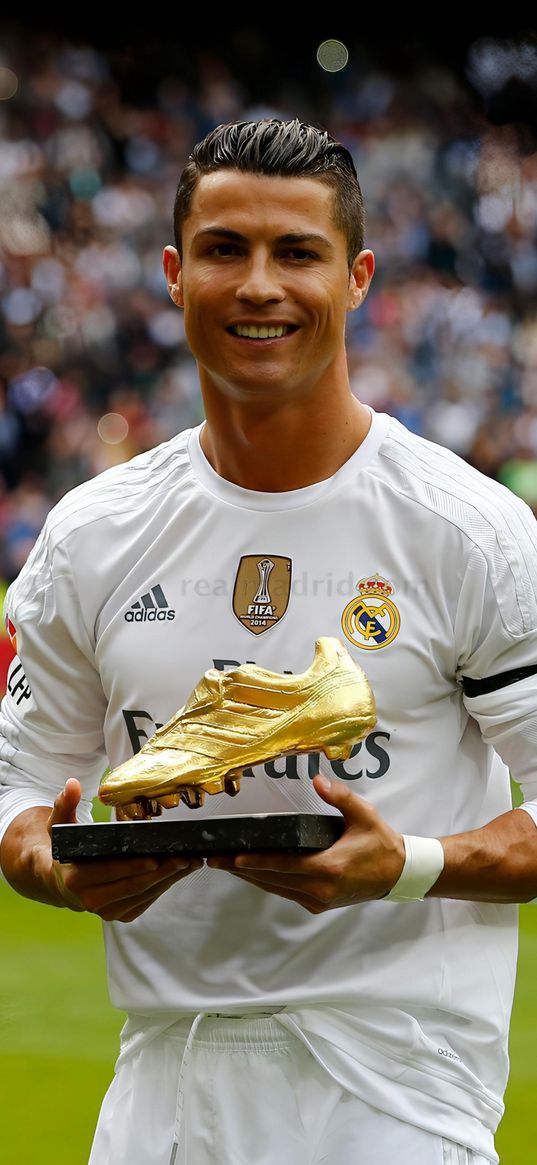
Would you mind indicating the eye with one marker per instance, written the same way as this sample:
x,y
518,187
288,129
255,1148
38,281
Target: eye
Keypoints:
x,y
299,254
223,250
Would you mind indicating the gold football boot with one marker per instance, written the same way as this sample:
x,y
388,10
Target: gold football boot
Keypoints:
x,y
245,717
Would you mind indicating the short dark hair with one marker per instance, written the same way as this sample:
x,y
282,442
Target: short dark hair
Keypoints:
x,y
284,149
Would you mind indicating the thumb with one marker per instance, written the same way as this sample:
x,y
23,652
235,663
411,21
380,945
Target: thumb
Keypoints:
x,y
65,805
338,794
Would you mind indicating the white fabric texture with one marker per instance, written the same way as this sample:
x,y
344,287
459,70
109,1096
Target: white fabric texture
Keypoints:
x,y
130,595
252,1093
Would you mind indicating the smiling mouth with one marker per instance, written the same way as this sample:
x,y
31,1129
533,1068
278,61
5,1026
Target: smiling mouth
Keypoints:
x,y
262,332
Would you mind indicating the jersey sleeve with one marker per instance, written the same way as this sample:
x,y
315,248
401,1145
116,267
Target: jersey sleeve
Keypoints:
x,y
52,715
496,637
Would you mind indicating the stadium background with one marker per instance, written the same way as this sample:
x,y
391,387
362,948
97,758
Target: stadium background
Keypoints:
x,y
96,120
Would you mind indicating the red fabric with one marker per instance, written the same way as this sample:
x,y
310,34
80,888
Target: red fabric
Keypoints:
x,y
6,655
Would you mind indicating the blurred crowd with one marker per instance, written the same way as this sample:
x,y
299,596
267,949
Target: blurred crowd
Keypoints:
x,y
93,363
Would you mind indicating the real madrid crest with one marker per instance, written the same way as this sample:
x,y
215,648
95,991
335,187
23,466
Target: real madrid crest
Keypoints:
x,y
371,620
261,592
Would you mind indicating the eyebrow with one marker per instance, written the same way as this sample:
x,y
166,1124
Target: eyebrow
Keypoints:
x,y
292,239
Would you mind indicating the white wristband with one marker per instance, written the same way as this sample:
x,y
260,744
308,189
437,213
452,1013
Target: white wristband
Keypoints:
x,y
424,862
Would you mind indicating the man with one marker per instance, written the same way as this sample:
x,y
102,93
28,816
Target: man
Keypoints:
x,y
350,1005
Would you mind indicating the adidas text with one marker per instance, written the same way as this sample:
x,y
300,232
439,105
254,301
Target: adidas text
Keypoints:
x,y
151,616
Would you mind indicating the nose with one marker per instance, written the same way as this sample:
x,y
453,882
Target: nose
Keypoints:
x,y
260,282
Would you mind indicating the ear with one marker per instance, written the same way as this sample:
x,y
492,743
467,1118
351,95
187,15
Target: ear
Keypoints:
x,y
360,277
171,261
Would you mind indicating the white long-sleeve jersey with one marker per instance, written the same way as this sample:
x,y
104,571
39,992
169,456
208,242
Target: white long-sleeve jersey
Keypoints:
x,y
156,570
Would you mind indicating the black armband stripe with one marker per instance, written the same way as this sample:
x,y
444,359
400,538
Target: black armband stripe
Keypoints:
x,y
492,683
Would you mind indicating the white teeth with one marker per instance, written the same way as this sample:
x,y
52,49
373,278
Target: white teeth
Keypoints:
x,y
251,332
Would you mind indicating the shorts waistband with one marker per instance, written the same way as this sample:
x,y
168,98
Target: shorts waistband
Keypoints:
x,y
261,1031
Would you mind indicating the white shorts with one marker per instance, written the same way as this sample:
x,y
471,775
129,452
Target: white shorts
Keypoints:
x,y
243,1091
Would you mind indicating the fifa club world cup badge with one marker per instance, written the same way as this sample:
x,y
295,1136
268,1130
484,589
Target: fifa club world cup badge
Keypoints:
x,y
261,592
371,620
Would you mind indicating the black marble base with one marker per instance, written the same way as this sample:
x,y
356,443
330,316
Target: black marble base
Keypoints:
x,y
293,832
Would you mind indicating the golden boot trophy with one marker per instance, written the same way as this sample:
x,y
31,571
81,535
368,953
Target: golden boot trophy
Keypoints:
x,y
240,718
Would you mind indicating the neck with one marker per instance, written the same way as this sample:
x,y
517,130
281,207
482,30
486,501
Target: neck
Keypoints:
x,y
276,449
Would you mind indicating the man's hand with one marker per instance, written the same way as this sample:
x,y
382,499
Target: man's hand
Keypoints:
x,y
362,865
118,890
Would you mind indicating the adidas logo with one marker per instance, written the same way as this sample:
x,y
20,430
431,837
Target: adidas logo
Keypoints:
x,y
150,608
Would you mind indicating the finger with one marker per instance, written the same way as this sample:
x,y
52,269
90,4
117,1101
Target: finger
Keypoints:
x,y
306,864
97,896
304,887
308,901
296,883
66,804
129,909
97,872
94,896
104,873
354,809
174,867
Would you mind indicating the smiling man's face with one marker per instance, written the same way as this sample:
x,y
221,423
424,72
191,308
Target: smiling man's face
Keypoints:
x,y
265,284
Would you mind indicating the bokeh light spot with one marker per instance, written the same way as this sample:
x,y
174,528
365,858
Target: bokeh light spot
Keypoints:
x,y
332,55
9,83
112,428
